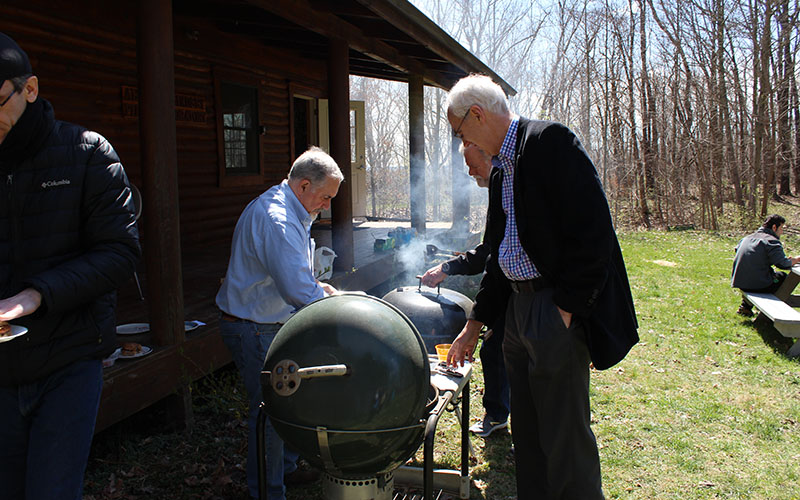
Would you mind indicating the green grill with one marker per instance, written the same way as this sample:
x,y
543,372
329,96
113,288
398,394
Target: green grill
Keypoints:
x,y
346,382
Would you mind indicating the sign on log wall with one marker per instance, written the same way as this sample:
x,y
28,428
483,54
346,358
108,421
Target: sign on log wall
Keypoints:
x,y
188,108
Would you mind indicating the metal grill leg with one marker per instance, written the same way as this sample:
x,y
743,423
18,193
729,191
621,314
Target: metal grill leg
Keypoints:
x,y
261,448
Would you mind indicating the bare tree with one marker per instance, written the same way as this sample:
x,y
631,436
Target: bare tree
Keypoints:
x,y
689,107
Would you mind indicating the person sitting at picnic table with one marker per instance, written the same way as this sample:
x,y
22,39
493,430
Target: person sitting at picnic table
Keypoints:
x,y
755,256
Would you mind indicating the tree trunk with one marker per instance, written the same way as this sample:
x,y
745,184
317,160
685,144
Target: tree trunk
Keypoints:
x,y
762,108
784,64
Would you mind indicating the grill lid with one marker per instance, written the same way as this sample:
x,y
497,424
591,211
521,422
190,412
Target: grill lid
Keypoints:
x,y
346,383
438,313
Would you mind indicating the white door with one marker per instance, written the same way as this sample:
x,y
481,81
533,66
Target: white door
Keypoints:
x,y
358,162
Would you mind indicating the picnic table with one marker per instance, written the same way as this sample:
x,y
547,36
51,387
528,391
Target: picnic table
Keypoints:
x,y
787,287
779,308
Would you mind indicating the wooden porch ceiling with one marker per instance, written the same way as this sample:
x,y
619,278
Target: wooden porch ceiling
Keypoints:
x,y
388,39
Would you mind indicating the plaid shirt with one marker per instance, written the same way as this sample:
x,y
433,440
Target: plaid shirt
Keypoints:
x,y
513,260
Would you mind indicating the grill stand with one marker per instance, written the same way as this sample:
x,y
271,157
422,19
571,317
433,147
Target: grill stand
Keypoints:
x,y
261,450
451,388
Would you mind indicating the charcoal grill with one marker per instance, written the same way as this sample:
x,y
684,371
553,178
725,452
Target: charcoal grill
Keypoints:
x,y
347,383
438,313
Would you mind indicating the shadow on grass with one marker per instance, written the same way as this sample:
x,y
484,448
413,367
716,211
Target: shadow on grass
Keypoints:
x,y
498,477
771,337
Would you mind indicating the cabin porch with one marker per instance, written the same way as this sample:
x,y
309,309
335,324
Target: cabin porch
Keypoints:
x,y
131,385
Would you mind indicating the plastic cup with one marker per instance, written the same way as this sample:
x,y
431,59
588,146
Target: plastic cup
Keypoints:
x,y
441,351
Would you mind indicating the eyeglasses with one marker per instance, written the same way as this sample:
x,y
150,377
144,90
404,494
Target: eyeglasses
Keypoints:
x,y
457,132
14,91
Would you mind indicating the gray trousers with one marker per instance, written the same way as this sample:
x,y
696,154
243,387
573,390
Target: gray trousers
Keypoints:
x,y
548,368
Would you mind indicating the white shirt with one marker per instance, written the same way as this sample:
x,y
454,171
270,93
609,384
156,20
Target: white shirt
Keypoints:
x,y
270,272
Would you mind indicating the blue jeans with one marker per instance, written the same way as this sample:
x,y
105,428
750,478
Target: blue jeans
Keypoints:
x,y
496,392
46,431
248,343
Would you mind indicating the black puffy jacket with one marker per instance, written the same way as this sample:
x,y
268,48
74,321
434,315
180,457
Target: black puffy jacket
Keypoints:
x,y
67,229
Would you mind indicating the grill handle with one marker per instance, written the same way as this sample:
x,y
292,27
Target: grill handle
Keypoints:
x,y
322,371
286,376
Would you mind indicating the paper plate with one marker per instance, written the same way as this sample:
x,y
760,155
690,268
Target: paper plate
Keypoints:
x,y
144,352
133,328
15,332
192,325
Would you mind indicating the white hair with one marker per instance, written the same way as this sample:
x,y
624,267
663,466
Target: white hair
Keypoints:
x,y
462,149
315,165
476,89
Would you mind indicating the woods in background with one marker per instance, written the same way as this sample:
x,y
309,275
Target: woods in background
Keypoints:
x,y
689,108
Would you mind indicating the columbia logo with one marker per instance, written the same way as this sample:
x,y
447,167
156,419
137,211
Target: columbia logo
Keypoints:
x,y
49,184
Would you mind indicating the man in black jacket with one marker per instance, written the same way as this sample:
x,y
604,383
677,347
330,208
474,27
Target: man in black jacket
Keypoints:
x,y
67,240
495,381
755,255
556,263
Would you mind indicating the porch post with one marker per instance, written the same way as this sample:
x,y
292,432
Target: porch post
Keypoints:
x,y
161,231
339,127
459,178
416,133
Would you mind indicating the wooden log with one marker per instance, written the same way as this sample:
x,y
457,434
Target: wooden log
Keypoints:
x,y
416,133
339,120
162,247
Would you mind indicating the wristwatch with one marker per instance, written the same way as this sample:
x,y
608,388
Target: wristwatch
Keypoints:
x,y
446,268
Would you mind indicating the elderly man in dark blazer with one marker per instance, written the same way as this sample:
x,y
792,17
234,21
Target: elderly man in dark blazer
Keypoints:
x,y
556,272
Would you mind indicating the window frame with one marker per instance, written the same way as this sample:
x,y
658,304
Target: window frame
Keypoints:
x,y
243,79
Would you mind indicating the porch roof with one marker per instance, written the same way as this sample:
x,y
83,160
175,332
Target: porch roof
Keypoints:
x,y
388,39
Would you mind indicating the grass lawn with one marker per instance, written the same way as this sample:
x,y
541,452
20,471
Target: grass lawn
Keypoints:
x,y
706,406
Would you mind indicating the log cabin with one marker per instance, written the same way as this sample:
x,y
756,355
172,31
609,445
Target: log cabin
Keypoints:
x,y
207,103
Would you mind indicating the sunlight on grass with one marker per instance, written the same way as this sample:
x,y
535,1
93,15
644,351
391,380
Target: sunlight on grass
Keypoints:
x,y
703,407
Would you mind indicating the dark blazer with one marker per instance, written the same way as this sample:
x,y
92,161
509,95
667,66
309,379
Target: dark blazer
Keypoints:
x,y
565,228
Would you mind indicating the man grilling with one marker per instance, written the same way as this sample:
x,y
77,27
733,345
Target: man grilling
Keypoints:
x,y
495,394
269,277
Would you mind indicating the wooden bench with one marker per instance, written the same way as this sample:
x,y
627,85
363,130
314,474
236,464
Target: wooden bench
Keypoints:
x,y
785,319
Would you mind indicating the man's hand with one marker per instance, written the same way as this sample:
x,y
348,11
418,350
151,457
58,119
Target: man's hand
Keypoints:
x,y
22,304
464,345
566,317
433,276
328,288
795,260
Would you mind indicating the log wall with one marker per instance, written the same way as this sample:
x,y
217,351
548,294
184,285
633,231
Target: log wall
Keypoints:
x,y
84,54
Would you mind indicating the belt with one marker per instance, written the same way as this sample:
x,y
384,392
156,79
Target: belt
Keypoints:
x,y
530,286
228,317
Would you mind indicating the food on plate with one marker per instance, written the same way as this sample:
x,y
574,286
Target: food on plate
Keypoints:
x,y
5,329
131,349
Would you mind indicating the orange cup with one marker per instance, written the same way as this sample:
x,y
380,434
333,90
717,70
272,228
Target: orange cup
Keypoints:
x,y
442,350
